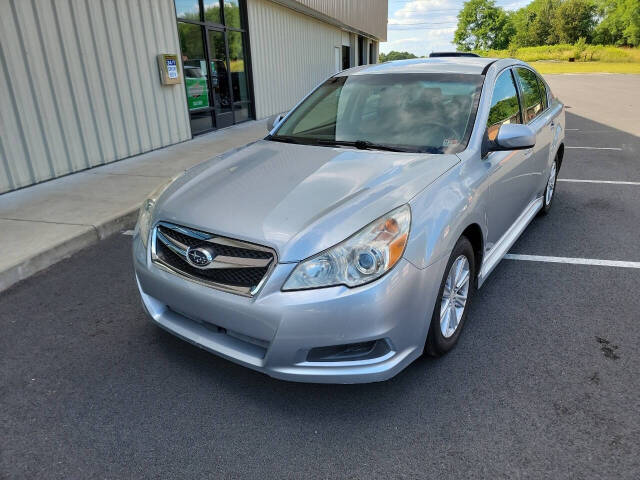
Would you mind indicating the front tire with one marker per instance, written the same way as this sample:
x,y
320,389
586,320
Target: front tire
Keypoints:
x,y
456,290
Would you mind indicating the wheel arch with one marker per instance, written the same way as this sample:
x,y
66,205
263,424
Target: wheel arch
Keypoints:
x,y
474,234
560,155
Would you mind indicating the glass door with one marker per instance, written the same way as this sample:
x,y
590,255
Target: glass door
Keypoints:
x,y
220,81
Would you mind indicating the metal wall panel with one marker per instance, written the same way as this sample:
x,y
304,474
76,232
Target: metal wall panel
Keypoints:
x,y
290,54
79,85
368,16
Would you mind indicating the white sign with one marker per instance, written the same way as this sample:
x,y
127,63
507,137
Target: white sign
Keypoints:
x,y
172,68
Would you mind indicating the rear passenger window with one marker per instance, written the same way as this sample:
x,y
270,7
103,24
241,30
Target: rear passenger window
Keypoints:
x,y
504,105
543,93
533,105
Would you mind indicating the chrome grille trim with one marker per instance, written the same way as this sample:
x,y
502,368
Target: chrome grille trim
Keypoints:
x,y
220,262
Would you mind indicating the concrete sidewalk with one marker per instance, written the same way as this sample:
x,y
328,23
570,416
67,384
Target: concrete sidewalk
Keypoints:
x,y
43,224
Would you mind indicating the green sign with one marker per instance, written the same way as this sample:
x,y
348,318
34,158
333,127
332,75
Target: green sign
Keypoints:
x,y
197,92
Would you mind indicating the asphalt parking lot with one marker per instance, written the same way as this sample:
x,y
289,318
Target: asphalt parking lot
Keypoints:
x,y
545,382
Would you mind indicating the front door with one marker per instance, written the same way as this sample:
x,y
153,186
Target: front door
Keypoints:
x,y
510,172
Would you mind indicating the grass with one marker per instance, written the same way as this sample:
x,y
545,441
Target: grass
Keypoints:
x,y
588,58
584,53
586,67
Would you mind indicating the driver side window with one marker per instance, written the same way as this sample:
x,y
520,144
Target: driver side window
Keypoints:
x,y
504,104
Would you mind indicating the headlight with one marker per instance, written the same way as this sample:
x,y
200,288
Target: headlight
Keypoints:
x,y
146,212
360,259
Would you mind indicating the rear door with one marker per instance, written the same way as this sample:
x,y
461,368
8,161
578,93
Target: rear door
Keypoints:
x,y
537,115
510,172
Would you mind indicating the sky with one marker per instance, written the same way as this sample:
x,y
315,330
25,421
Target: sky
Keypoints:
x,y
424,26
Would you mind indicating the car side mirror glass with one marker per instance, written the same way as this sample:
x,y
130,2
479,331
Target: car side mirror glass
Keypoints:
x,y
274,121
512,136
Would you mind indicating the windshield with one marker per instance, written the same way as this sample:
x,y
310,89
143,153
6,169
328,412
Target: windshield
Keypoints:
x,y
431,113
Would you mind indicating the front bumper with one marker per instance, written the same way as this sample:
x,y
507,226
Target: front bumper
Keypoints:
x,y
274,331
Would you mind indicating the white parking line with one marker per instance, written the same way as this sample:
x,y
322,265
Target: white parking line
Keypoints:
x,y
128,232
598,148
575,261
611,182
572,129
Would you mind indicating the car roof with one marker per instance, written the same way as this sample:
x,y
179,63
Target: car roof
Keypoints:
x,y
469,65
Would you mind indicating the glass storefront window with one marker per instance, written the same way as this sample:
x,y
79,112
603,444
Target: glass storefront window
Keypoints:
x,y
188,9
215,62
212,12
232,13
346,57
194,65
238,67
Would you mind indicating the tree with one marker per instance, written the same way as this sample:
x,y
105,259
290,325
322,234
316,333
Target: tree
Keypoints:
x,y
393,55
620,24
534,24
574,19
482,26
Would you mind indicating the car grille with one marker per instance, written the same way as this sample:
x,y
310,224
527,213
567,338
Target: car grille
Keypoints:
x,y
233,265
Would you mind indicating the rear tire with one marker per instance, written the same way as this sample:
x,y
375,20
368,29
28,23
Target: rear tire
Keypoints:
x,y
457,288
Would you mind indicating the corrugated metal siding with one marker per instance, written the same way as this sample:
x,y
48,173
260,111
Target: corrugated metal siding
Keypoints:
x,y
80,87
290,54
369,16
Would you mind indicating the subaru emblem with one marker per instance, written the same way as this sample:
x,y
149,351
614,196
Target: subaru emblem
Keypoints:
x,y
199,257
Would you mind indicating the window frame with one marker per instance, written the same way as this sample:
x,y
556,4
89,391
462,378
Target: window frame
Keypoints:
x,y
518,96
514,69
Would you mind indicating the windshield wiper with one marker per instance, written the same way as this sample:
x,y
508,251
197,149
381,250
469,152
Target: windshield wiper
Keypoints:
x,y
366,145
359,144
285,139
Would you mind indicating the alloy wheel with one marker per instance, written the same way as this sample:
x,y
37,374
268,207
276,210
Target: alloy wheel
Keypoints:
x,y
454,296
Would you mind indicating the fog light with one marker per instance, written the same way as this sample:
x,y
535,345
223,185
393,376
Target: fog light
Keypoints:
x,y
349,352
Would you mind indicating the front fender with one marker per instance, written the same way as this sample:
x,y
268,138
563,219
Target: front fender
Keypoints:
x,y
443,211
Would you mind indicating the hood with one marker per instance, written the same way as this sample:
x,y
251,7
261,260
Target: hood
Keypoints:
x,y
297,199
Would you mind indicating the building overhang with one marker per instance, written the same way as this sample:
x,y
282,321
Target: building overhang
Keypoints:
x,y
300,8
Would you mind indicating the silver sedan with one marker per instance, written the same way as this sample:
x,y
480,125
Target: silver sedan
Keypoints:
x,y
353,237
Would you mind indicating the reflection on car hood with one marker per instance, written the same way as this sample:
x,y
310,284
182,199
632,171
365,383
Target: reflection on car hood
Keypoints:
x,y
298,199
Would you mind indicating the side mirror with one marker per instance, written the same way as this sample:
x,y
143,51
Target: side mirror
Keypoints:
x,y
512,136
274,121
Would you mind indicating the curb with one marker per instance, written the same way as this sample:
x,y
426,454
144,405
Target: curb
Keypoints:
x,y
124,220
57,252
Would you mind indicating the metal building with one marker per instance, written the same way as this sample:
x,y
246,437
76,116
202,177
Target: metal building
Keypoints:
x,y
84,83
